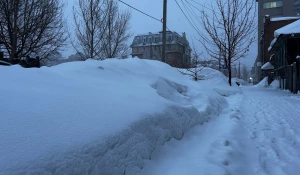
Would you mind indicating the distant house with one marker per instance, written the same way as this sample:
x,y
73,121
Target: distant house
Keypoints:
x,y
149,46
286,57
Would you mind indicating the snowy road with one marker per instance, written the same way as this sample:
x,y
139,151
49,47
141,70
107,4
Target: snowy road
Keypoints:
x,y
258,134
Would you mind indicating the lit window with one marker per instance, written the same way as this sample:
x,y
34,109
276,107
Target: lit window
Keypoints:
x,y
274,4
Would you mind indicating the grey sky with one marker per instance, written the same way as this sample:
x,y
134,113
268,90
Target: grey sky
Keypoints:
x,y
175,20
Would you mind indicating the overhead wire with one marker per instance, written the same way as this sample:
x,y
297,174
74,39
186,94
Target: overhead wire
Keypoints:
x,y
194,27
142,12
192,14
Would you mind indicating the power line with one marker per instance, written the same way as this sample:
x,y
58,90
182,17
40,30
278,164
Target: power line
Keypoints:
x,y
140,11
200,5
191,14
195,28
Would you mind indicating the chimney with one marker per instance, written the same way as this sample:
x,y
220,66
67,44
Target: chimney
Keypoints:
x,y
267,19
184,36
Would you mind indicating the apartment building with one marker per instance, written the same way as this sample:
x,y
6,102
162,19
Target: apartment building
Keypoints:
x,y
271,9
149,46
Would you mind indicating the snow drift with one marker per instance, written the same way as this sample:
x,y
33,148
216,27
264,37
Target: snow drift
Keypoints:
x,y
96,117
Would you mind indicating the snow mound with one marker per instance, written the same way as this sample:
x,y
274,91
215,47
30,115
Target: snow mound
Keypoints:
x,y
97,116
124,152
210,73
240,81
226,92
275,84
263,83
170,90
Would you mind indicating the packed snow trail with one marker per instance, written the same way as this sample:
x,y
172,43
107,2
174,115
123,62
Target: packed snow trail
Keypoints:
x,y
273,120
258,134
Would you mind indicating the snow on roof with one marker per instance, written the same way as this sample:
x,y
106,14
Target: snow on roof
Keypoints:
x,y
288,29
272,43
155,33
149,33
292,28
284,18
267,66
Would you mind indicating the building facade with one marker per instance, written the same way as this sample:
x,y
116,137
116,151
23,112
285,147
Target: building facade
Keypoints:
x,y
149,46
271,9
286,57
270,25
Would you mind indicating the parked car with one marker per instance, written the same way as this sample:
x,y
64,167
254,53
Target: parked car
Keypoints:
x,y
4,63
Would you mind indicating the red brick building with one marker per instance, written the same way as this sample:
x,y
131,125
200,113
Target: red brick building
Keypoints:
x,y
270,25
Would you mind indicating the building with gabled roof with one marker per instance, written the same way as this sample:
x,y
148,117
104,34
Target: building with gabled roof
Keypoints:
x,y
149,46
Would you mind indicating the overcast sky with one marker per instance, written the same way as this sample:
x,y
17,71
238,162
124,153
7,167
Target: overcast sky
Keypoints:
x,y
176,21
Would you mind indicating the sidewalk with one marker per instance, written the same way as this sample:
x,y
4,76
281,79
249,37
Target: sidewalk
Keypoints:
x,y
258,134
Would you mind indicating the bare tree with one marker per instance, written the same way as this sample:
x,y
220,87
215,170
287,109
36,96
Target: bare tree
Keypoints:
x,y
31,27
230,30
90,24
196,66
116,35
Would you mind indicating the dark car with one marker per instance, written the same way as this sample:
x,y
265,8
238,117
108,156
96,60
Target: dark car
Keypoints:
x,y
4,63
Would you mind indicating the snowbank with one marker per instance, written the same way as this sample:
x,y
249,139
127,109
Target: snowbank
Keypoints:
x,y
90,117
275,84
263,83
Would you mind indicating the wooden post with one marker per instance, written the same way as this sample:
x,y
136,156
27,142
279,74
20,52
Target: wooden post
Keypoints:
x,y
291,78
164,32
280,82
294,78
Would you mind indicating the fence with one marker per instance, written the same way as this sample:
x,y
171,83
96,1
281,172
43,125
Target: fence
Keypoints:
x,y
289,77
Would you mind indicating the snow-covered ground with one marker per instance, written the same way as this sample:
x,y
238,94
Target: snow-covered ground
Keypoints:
x,y
257,134
143,117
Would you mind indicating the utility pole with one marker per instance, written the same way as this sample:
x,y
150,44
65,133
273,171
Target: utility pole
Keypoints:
x,y
164,33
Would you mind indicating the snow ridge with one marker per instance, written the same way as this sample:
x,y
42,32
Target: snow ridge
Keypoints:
x,y
124,153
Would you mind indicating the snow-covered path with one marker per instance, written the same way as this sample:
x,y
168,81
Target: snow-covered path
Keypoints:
x,y
258,134
273,120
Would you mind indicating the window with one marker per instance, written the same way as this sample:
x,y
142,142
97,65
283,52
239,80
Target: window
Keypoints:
x,y
274,4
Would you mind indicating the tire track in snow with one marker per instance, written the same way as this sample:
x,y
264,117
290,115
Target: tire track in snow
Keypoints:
x,y
273,119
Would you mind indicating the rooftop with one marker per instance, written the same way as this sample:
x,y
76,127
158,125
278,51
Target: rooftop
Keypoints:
x,y
288,29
